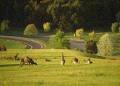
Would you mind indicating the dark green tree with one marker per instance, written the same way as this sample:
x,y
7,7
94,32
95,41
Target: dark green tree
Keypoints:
x,y
64,13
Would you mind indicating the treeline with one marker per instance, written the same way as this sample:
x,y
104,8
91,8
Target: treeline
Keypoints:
x,y
66,14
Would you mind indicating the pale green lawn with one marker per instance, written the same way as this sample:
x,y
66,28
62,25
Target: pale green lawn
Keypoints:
x,y
103,72
11,44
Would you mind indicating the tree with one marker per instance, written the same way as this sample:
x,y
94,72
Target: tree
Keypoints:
x,y
47,26
79,33
115,27
118,17
91,47
4,25
92,35
68,14
105,45
30,30
64,12
58,41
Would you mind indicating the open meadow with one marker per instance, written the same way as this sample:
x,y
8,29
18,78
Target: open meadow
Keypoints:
x,y
103,72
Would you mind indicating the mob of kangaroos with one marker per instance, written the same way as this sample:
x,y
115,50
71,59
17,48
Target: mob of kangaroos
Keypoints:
x,y
29,61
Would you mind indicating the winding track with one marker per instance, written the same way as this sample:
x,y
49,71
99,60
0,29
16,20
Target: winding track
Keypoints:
x,y
32,44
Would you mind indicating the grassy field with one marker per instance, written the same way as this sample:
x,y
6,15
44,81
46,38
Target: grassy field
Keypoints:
x,y
11,44
103,72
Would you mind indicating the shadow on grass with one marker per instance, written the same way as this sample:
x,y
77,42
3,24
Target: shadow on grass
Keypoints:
x,y
9,65
94,56
98,57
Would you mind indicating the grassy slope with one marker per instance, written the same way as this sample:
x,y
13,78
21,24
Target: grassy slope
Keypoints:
x,y
11,44
103,72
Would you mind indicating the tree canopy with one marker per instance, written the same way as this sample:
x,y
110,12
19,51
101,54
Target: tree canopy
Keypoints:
x,y
66,14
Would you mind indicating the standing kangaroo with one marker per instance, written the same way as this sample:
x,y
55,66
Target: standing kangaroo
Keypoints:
x,y
62,60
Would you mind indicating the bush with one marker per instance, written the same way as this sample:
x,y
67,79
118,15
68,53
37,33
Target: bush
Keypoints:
x,y
92,35
115,27
91,47
79,33
3,48
105,45
4,25
46,27
58,41
118,16
30,30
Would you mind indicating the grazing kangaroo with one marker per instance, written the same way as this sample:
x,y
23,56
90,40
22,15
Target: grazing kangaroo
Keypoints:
x,y
47,60
88,61
16,56
75,60
62,60
27,60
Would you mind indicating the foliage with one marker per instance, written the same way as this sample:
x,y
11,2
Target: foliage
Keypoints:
x,y
4,25
92,35
47,26
115,27
91,47
30,30
3,48
105,45
58,41
116,43
66,13
118,17
79,33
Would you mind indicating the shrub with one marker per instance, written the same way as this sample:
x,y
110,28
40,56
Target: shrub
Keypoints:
x,y
105,45
115,27
119,29
79,33
92,35
118,16
46,27
4,25
3,48
30,30
58,41
91,47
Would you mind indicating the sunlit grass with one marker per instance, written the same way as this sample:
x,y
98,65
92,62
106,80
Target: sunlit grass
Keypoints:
x,y
100,73
40,53
103,72
11,44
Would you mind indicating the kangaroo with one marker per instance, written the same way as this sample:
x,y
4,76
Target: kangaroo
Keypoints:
x,y
75,60
27,60
62,60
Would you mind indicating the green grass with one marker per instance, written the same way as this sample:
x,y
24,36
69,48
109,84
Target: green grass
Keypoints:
x,y
103,72
11,44
40,53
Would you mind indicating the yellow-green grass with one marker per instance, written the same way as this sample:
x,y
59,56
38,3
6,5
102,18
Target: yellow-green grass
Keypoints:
x,y
11,44
39,53
103,72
